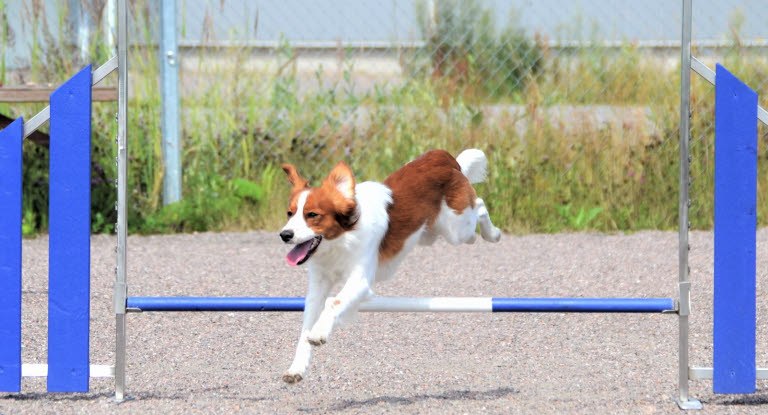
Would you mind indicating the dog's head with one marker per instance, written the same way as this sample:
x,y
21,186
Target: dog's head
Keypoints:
x,y
317,213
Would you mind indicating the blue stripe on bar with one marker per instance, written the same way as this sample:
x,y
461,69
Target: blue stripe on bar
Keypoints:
x,y
735,228
583,305
10,256
216,303
69,235
573,305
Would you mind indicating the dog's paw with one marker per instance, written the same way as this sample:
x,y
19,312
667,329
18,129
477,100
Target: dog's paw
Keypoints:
x,y
317,339
320,332
290,377
493,236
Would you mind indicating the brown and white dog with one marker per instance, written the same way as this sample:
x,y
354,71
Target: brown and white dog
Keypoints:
x,y
358,234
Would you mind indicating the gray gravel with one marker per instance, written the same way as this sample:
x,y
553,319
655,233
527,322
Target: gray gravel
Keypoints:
x,y
396,363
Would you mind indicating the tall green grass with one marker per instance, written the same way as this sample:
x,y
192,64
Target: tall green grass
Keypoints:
x,y
545,175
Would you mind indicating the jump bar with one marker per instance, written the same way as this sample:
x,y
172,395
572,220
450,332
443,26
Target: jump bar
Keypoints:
x,y
395,304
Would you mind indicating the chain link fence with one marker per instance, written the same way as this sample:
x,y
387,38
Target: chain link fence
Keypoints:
x,y
575,103
566,90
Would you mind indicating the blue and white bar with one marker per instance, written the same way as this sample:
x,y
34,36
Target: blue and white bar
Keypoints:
x,y
411,305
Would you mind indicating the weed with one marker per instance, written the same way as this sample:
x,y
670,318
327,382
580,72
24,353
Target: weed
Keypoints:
x,y
580,220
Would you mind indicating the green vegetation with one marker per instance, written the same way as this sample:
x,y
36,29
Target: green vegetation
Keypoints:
x,y
578,220
3,39
547,173
470,56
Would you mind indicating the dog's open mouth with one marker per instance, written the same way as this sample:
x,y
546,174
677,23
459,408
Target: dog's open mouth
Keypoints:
x,y
301,252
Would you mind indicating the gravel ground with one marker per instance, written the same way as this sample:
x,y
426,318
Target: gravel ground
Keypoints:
x,y
396,363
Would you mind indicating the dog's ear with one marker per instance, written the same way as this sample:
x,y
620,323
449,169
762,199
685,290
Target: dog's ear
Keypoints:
x,y
343,180
298,182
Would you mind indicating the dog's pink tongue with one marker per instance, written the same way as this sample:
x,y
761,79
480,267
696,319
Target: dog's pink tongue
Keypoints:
x,y
298,253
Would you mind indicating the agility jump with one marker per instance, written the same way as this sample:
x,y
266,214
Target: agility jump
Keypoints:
x,y
68,368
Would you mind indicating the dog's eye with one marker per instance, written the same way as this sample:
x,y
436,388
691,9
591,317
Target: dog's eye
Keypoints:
x,y
312,215
289,213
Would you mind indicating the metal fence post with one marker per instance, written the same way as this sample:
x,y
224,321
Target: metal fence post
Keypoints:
x,y
80,19
122,185
170,89
684,284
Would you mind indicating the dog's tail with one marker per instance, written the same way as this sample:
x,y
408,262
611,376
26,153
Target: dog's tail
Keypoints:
x,y
473,164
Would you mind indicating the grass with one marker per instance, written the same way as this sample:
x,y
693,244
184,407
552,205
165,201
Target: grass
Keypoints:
x,y
545,174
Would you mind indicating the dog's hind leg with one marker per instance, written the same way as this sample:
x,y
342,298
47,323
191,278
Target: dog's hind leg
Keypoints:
x,y
488,231
456,228
319,288
458,215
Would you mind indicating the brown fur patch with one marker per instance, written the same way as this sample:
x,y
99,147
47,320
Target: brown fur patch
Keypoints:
x,y
418,190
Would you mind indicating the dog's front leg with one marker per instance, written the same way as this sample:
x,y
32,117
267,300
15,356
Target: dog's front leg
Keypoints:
x,y
355,290
315,300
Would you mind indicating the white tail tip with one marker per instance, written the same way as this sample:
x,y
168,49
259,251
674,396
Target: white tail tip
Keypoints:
x,y
473,164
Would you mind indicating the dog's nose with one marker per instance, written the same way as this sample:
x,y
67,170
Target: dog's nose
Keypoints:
x,y
286,235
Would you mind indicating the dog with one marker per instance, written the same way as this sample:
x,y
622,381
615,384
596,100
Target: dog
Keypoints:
x,y
358,234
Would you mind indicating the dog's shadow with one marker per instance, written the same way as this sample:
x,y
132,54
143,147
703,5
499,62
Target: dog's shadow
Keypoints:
x,y
454,395
759,398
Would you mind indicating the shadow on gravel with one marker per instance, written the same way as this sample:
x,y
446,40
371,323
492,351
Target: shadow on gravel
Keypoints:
x,y
46,396
746,400
214,391
456,395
